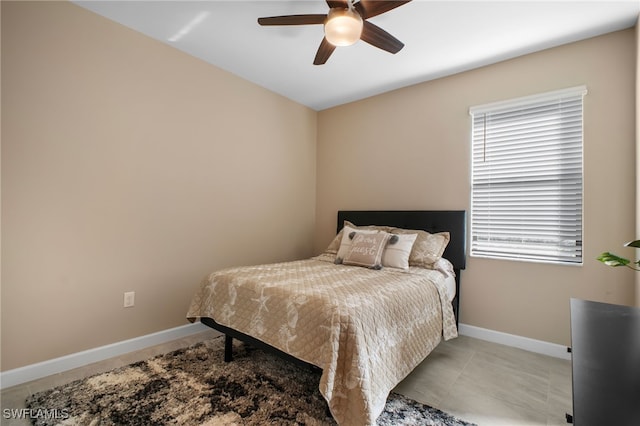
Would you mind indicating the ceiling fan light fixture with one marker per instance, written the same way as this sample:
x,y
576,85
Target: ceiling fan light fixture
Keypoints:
x,y
344,24
343,27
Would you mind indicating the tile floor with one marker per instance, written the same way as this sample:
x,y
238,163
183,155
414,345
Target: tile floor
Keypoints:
x,y
491,384
479,381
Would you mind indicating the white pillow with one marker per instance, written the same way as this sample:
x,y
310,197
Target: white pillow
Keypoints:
x,y
396,255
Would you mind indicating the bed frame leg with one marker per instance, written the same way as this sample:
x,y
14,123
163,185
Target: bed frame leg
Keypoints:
x,y
228,348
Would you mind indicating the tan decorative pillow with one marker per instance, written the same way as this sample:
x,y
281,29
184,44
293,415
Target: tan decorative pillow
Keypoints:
x,y
346,241
369,227
427,249
366,249
396,255
334,246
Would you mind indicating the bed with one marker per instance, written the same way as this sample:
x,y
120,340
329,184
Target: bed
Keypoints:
x,y
365,325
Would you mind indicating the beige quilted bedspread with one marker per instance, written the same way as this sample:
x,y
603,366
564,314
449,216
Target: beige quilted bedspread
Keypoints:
x,y
366,329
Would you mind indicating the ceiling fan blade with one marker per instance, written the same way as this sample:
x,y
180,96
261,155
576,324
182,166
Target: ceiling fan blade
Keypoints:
x,y
324,51
376,36
293,20
371,8
344,4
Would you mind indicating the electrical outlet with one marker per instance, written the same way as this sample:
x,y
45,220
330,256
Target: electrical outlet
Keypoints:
x,y
129,299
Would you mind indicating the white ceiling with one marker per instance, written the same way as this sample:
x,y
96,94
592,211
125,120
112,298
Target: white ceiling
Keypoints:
x,y
441,38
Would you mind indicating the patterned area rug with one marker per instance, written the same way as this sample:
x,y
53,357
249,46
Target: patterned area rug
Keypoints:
x,y
194,386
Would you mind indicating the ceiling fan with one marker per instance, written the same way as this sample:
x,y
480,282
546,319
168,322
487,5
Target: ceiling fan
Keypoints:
x,y
345,24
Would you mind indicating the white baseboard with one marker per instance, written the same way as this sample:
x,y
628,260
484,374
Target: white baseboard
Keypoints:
x,y
531,345
57,365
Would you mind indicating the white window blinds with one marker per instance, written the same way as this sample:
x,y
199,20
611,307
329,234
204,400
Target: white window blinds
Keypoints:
x,y
526,198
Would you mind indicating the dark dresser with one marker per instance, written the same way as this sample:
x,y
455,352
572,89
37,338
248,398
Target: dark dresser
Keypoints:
x,y
605,348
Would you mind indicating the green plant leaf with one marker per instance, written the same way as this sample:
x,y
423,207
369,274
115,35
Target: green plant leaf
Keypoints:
x,y
635,243
611,259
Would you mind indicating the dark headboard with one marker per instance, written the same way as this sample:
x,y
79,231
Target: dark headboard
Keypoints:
x,y
453,221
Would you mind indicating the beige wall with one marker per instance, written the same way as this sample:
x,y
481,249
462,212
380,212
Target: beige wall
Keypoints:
x,y
409,149
130,166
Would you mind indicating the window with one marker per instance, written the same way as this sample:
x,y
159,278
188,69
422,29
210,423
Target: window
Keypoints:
x,y
526,196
